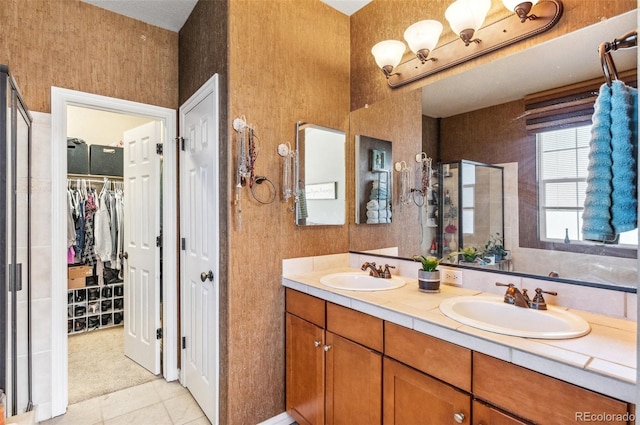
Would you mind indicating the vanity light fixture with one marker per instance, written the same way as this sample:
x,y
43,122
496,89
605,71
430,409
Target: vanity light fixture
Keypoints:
x,y
466,18
522,8
422,38
388,55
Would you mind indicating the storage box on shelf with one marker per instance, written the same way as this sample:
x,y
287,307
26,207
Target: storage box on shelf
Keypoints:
x,y
91,306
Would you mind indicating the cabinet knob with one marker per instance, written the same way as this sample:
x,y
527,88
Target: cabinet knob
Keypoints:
x,y
326,348
458,417
317,343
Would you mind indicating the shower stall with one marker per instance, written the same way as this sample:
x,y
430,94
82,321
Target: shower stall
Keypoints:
x,y
15,249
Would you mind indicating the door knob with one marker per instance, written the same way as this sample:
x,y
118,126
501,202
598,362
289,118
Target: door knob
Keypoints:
x,y
125,255
317,343
204,276
326,348
458,417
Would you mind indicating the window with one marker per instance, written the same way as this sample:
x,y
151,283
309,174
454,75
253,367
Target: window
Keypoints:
x,y
563,156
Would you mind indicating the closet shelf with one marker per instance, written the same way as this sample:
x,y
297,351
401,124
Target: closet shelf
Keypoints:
x,y
96,177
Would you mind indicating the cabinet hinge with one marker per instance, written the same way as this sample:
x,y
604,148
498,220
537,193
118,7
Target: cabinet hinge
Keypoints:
x,y
180,141
184,342
159,333
159,241
159,148
183,244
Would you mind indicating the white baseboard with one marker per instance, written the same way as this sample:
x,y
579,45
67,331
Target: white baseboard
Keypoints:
x,y
282,419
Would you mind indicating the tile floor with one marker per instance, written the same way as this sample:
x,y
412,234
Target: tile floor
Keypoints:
x,y
154,403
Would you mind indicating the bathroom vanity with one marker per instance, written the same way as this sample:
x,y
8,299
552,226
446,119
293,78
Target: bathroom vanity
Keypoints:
x,y
391,357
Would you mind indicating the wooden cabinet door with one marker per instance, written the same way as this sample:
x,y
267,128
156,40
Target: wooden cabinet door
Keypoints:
x,y
305,371
353,383
484,414
411,397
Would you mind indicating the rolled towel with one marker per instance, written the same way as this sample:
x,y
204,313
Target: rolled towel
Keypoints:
x,y
382,204
372,214
373,221
373,205
383,214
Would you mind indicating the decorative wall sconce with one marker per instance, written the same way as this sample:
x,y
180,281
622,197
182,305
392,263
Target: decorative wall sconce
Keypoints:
x,y
465,18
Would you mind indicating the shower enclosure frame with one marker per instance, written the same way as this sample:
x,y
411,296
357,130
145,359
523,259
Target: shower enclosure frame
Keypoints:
x,y
15,190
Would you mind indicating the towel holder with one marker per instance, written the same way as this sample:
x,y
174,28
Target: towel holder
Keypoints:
x,y
627,40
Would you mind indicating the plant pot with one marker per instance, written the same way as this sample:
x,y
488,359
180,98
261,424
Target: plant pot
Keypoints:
x,y
429,281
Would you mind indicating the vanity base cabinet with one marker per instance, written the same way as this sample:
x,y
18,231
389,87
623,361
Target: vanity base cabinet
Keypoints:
x,y
305,371
411,397
539,398
353,383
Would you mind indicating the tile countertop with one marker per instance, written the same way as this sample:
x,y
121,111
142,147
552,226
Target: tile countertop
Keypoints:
x,y
603,360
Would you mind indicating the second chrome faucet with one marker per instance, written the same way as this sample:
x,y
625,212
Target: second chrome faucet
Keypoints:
x,y
521,299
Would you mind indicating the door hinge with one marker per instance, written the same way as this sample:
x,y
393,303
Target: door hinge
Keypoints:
x,y
159,333
184,342
159,148
180,140
183,244
159,241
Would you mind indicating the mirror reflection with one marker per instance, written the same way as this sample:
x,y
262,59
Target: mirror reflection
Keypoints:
x,y
321,175
491,124
374,183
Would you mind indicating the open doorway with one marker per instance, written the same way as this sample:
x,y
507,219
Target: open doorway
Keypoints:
x,y
167,330
101,298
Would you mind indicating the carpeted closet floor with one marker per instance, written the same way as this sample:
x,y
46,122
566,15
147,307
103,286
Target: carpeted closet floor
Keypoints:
x,y
98,366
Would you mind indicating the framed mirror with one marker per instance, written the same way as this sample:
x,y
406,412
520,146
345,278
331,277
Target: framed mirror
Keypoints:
x,y
488,124
320,176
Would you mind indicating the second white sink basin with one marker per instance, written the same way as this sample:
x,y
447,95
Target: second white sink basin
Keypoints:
x,y
355,281
494,315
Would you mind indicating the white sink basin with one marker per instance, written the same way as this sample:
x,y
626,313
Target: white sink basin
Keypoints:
x,y
355,281
494,315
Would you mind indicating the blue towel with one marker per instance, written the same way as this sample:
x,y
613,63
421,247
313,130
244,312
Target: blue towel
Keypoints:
x,y
624,101
596,218
610,205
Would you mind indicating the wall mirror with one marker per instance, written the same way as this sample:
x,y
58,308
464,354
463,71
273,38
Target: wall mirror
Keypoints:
x,y
320,175
493,104
374,180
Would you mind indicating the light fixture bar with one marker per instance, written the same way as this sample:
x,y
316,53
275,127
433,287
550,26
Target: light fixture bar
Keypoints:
x,y
494,36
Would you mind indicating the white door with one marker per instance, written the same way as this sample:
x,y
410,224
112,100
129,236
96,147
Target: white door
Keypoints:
x,y
142,256
200,236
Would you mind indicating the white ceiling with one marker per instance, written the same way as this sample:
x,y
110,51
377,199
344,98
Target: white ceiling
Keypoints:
x,y
167,14
172,14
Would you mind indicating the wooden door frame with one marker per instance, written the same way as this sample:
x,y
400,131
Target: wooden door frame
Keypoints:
x,y
60,99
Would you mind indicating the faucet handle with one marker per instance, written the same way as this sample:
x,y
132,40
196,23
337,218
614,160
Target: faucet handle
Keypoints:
x,y
387,273
538,302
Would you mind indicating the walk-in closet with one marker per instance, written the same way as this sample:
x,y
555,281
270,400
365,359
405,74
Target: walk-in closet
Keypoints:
x,y
97,258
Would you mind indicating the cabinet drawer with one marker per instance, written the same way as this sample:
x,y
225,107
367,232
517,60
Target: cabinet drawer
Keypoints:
x,y
443,360
306,307
359,327
535,396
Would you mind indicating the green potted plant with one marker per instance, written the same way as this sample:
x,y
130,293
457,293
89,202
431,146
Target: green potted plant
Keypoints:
x,y
469,254
428,275
495,247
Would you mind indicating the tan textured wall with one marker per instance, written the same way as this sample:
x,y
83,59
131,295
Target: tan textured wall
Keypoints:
x,y
387,19
288,61
74,45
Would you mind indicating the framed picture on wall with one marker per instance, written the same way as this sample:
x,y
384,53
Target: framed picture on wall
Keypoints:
x,y
377,160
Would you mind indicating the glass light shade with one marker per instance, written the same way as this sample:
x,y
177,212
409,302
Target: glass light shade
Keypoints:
x,y
423,35
388,53
467,14
511,4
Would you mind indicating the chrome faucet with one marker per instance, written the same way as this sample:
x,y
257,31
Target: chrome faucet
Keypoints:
x,y
372,269
377,272
521,299
514,296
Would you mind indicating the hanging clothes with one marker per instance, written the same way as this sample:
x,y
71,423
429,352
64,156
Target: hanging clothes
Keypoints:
x,y
88,253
